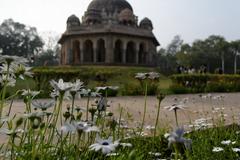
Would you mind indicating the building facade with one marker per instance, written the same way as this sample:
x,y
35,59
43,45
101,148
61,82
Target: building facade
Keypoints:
x,y
108,34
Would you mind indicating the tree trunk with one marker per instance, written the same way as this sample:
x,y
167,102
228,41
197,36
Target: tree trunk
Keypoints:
x,y
235,64
223,62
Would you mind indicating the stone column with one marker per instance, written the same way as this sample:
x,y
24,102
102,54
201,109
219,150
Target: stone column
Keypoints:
x,y
69,52
94,51
124,52
62,55
109,50
137,48
137,55
65,54
147,53
81,52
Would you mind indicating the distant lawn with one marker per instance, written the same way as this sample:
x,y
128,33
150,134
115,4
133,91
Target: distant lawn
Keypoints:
x,y
165,84
93,76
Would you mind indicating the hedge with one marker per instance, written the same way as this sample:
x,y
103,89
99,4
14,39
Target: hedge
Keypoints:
x,y
196,83
93,76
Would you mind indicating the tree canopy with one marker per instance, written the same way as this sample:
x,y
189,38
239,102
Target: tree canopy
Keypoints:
x,y
19,39
214,52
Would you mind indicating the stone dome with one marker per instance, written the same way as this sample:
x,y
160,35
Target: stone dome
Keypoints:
x,y
126,15
93,16
73,19
110,6
146,23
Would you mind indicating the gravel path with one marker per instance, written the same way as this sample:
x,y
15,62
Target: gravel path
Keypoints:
x,y
211,107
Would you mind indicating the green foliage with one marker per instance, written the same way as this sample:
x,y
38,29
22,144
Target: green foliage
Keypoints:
x,y
109,92
46,58
19,39
196,83
179,89
213,52
205,140
94,76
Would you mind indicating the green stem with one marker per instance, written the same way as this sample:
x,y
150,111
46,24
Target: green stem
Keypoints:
x,y
176,152
55,120
10,108
88,100
145,109
73,101
119,122
176,118
12,147
157,119
4,92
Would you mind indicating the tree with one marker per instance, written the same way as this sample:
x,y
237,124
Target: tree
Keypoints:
x,y
46,58
218,45
235,49
19,39
175,45
184,55
201,55
166,62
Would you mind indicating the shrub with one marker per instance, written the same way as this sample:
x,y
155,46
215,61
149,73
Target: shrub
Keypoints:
x,y
109,92
179,89
131,88
94,76
196,83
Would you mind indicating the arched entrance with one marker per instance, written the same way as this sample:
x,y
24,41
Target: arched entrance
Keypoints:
x,y
118,51
142,54
131,52
76,52
88,51
101,50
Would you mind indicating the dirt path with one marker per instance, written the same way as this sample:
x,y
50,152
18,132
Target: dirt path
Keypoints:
x,y
196,107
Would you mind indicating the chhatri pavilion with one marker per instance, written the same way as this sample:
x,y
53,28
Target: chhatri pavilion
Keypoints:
x,y
108,33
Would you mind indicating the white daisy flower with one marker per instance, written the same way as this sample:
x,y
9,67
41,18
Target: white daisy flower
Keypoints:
x,y
175,107
126,145
9,80
77,86
12,59
217,149
106,88
236,149
86,127
106,146
153,75
89,92
11,132
42,105
60,86
149,127
68,128
156,154
30,94
112,154
21,71
227,142
141,76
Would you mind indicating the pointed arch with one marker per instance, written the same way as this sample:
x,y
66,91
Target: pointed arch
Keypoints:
x,y
76,52
131,52
101,50
88,51
118,51
142,55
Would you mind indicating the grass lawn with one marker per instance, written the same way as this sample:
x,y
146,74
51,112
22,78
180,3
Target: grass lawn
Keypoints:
x,y
94,76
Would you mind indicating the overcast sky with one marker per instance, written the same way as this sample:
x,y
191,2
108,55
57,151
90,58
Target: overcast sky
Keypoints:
x,y
192,19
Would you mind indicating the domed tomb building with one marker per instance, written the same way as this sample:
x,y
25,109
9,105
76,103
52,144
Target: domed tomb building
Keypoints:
x,y
109,33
